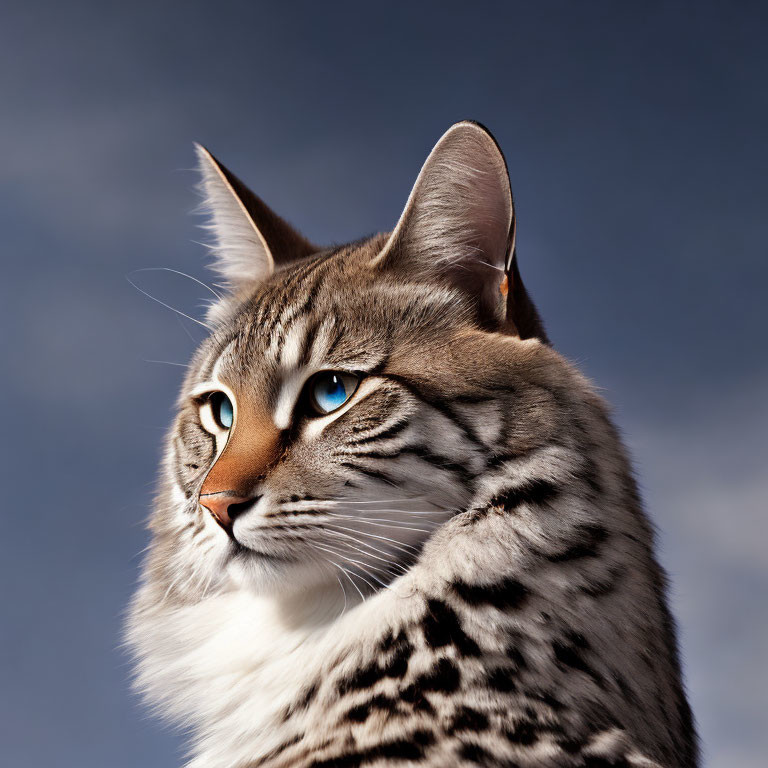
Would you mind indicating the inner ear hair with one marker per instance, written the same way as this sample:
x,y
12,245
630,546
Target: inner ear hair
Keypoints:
x,y
250,240
459,225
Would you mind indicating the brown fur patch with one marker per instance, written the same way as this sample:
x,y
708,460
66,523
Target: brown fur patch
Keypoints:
x,y
253,446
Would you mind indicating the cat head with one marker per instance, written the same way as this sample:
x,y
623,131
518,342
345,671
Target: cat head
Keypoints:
x,y
344,404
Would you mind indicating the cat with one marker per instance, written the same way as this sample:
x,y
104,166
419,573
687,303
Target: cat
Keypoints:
x,y
394,526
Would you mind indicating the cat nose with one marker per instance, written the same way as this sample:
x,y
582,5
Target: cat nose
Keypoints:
x,y
225,506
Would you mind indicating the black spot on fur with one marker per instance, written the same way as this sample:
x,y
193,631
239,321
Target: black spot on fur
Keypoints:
x,y
442,627
367,676
474,753
577,639
508,594
592,761
390,640
571,746
587,539
444,677
530,714
500,679
307,697
358,714
362,678
570,653
468,719
397,750
546,698
301,703
533,492
524,733
397,665
516,657
361,712
425,738
410,748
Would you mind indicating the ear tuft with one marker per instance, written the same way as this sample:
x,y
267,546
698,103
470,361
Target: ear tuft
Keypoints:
x,y
249,238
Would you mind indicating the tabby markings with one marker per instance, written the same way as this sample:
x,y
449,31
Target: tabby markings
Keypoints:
x,y
505,595
533,492
441,627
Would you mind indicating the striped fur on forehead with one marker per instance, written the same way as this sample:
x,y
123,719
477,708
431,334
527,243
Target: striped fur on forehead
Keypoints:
x,y
334,310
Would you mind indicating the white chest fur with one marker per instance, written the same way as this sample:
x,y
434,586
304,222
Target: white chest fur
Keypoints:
x,y
226,667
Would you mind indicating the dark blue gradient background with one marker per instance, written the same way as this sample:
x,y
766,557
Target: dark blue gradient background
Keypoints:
x,y
635,134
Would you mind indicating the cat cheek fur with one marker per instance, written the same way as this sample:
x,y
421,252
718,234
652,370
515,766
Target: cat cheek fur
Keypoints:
x,y
454,568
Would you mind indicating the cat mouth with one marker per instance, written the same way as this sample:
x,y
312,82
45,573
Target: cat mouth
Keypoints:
x,y
241,551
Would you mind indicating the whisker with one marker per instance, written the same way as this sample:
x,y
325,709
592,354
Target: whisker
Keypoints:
x,y
186,330
386,559
487,264
166,362
391,558
371,569
168,306
382,522
379,501
401,547
343,592
383,510
375,536
409,512
183,274
344,571
366,567
352,581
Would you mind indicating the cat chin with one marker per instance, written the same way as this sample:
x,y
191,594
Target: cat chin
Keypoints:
x,y
267,574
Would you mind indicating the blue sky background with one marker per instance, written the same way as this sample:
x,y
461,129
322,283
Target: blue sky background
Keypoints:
x,y
635,134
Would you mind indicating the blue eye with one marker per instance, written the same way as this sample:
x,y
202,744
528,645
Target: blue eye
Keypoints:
x,y
222,409
329,390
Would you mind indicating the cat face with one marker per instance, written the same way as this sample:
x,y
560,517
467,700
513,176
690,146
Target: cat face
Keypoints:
x,y
319,436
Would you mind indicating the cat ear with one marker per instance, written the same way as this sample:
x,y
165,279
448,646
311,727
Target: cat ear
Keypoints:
x,y
459,224
249,238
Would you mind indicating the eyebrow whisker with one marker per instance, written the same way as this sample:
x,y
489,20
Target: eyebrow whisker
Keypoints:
x,y
168,306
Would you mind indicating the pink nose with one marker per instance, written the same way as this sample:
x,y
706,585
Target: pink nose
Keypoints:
x,y
225,507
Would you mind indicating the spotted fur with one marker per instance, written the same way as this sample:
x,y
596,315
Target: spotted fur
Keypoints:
x,y
454,569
